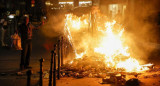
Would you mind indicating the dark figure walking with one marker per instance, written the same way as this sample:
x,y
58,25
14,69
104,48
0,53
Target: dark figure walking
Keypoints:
x,y
25,30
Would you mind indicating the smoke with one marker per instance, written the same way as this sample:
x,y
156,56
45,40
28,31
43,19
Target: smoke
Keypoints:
x,y
52,29
54,26
142,30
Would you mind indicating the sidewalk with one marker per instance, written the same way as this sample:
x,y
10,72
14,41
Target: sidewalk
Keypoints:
x,y
9,66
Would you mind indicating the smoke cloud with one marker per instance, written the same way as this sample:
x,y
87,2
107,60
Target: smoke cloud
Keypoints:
x,y
54,26
142,29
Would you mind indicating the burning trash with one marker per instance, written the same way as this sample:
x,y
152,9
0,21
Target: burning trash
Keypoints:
x,y
99,43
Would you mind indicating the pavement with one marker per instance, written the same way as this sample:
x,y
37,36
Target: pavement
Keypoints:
x,y
10,60
11,76
9,69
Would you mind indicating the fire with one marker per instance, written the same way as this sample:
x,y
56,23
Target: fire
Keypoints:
x,y
106,44
79,55
131,64
75,22
111,44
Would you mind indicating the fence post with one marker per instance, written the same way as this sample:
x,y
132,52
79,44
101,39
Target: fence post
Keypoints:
x,y
58,74
51,69
41,72
29,73
62,47
54,68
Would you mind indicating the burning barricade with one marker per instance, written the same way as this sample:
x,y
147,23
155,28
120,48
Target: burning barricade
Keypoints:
x,y
99,49
99,43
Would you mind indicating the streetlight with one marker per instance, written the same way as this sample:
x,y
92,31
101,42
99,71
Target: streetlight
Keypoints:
x,y
11,16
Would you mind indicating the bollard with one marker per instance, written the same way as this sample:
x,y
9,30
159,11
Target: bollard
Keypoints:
x,y
29,73
58,74
41,72
54,68
64,42
51,69
62,51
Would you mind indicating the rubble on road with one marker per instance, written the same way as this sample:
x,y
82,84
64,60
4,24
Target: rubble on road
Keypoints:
x,y
133,82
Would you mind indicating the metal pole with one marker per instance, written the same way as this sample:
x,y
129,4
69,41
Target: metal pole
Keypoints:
x,y
51,69
93,1
54,68
62,51
76,3
29,73
64,47
58,75
41,72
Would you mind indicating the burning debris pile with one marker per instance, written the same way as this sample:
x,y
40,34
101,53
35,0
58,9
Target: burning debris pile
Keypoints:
x,y
99,47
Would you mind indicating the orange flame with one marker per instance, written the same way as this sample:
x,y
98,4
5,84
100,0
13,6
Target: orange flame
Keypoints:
x,y
110,42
